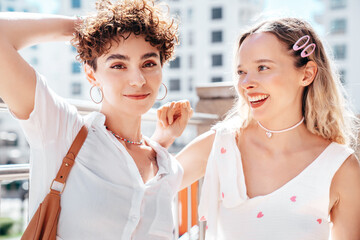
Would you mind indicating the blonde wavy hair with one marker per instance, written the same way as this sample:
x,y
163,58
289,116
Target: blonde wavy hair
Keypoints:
x,y
326,111
118,19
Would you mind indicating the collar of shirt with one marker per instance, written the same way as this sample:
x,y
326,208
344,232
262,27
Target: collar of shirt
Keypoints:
x,y
97,120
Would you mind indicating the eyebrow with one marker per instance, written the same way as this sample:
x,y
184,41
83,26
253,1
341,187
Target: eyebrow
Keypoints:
x,y
127,58
260,61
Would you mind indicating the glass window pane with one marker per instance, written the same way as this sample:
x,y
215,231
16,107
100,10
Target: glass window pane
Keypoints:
x,y
338,26
175,63
216,13
216,60
174,84
216,36
340,52
216,79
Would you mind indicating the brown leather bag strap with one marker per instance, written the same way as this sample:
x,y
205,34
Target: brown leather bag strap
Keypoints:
x,y
58,184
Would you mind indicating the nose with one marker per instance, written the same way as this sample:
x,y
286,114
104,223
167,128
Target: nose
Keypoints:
x,y
247,82
137,78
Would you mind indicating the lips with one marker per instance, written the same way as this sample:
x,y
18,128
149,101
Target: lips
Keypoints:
x,y
137,96
257,100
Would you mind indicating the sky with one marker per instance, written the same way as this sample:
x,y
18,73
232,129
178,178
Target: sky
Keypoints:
x,y
306,9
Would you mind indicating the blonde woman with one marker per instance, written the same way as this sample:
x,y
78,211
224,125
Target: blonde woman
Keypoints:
x,y
281,165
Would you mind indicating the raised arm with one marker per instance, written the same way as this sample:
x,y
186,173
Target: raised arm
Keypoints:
x,y
17,31
193,158
345,214
172,120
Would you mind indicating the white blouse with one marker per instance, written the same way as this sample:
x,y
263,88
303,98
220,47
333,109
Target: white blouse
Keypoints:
x,y
105,196
298,210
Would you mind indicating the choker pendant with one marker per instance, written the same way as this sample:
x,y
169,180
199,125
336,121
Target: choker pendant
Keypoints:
x,y
269,133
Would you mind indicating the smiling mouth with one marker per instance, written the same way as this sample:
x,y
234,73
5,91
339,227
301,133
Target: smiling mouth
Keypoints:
x,y
258,101
137,96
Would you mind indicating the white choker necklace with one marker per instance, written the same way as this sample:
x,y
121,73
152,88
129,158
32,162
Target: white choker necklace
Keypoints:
x,y
269,133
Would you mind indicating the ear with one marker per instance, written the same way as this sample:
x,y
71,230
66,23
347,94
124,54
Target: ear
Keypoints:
x,y
310,72
89,73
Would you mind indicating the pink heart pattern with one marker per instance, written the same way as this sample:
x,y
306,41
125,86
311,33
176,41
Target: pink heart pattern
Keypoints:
x,y
293,198
223,195
260,215
202,219
319,220
223,150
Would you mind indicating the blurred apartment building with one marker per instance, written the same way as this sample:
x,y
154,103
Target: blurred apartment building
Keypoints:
x,y
341,20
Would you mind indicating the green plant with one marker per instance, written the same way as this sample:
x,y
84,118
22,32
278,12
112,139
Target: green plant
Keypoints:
x,y
6,225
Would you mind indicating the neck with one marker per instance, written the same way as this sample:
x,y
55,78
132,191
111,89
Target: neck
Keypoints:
x,y
283,141
123,124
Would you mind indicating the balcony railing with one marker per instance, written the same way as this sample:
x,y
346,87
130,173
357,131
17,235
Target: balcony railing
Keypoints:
x,y
14,172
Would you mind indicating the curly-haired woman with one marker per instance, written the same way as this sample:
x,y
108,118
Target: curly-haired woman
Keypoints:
x,y
123,183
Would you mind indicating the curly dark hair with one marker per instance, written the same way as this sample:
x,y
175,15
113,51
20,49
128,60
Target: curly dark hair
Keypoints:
x,y
114,20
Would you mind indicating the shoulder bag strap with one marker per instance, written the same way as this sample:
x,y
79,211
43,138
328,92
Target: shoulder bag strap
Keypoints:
x,y
58,184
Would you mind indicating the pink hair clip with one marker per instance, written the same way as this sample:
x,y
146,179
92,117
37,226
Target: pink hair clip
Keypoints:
x,y
303,52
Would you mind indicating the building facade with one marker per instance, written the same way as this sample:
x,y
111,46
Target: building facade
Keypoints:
x,y
341,20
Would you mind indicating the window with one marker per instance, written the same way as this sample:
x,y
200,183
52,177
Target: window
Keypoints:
x,y
175,63
177,13
340,52
338,26
336,4
10,9
216,60
76,88
191,38
76,3
190,15
342,74
174,84
191,83
216,13
75,67
73,49
216,79
216,36
34,47
191,61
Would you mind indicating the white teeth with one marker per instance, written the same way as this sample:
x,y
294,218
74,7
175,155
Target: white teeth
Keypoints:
x,y
257,98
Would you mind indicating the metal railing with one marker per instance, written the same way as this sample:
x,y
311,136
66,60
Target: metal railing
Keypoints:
x,y
14,172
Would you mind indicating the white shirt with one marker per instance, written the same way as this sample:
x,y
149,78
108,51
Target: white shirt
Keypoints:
x,y
105,196
298,210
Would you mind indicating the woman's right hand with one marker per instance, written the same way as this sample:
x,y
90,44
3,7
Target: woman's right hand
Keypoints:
x,y
172,121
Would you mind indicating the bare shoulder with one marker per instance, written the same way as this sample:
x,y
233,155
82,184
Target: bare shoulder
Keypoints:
x,y
347,178
345,212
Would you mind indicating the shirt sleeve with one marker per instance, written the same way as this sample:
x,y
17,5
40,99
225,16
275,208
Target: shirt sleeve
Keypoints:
x,y
52,119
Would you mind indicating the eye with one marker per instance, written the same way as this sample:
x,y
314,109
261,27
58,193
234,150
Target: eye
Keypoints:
x,y
149,64
240,72
118,66
262,68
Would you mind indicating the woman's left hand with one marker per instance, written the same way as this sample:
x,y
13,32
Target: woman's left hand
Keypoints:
x,y
172,121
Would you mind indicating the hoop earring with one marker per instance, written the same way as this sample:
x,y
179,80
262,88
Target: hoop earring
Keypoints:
x,y
99,91
159,99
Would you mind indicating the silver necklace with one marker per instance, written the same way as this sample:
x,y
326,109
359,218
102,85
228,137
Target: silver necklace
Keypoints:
x,y
269,133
